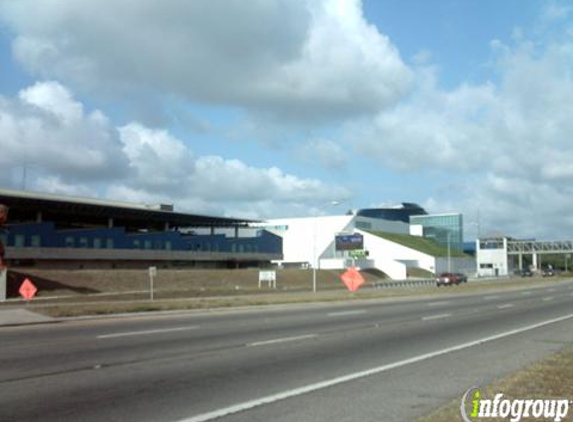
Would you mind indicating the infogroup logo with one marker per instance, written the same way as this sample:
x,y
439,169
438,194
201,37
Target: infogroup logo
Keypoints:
x,y
475,407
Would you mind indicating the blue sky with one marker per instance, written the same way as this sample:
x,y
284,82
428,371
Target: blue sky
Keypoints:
x,y
273,108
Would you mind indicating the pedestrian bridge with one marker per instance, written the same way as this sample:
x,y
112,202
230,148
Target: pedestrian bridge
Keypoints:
x,y
521,247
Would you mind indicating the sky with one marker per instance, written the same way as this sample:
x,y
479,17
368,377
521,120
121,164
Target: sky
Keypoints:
x,y
276,108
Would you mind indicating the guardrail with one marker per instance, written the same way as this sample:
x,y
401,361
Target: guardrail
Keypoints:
x,y
403,283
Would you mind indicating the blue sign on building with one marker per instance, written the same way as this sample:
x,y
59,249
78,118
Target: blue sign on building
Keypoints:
x,y
349,242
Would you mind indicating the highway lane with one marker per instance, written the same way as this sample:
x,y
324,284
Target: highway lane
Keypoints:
x,y
174,367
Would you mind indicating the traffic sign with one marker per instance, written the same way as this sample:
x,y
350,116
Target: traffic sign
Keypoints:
x,y
28,290
352,279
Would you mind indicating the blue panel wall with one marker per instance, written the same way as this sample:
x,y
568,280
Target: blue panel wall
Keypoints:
x,y
46,235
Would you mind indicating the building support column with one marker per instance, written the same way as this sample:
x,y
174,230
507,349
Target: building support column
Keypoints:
x,y
166,226
236,232
110,223
39,217
212,230
520,262
535,261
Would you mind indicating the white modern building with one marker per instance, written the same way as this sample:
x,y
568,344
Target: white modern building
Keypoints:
x,y
491,256
311,242
501,256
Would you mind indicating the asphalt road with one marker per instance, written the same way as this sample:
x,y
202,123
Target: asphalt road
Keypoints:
x,y
362,361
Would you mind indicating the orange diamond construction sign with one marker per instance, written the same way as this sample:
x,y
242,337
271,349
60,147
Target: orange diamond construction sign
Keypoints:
x,y
28,290
352,279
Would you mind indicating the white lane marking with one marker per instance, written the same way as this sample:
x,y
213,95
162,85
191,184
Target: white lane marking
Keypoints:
x,y
432,317
240,407
505,306
527,293
281,340
491,297
147,332
345,313
438,303
547,299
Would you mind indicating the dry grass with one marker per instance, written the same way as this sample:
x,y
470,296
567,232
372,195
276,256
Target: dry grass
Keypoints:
x,y
88,292
551,378
221,281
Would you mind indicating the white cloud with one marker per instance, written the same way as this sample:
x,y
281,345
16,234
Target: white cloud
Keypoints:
x,y
304,61
323,152
49,130
555,12
507,143
81,153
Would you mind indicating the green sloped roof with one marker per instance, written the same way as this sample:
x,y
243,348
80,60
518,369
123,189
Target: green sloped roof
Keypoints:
x,y
422,244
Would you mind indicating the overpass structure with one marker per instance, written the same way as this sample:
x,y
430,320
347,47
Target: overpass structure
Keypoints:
x,y
493,253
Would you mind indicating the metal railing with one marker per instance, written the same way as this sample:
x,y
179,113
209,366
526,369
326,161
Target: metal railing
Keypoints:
x,y
403,283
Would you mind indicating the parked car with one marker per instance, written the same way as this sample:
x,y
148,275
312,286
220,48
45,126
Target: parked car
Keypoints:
x,y
548,272
448,279
462,277
526,272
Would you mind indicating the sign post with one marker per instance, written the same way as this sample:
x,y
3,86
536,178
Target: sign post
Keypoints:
x,y
270,277
152,274
3,270
3,285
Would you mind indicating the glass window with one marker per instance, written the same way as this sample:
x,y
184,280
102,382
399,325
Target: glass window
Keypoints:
x,y
109,243
168,245
147,244
363,225
136,244
36,241
19,240
83,242
70,242
97,243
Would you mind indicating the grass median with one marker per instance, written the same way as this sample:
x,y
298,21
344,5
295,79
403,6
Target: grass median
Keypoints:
x,y
168,300
550,378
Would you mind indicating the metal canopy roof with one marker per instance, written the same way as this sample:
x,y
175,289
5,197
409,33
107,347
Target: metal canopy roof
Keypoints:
x,y
68,206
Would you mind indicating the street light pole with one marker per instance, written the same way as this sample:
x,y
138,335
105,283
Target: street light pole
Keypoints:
x,y
449,260
314,260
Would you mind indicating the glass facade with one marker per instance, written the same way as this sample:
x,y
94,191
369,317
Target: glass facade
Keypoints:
x,y
443,228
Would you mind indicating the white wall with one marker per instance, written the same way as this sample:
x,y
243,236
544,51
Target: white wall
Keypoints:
x,y
417,230
496,257
299,236
387,256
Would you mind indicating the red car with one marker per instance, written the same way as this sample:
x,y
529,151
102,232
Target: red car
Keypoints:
x,y
448,279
